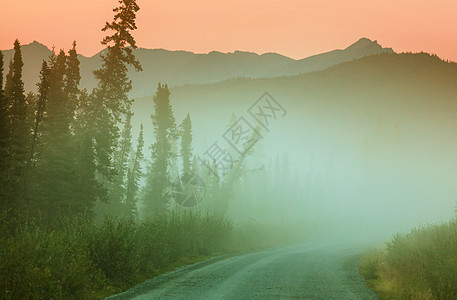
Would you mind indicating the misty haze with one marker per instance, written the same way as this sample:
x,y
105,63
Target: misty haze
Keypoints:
x,y
146,173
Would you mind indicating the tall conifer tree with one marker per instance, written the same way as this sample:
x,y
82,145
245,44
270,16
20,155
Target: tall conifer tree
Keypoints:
x,y
72,79
157,194
87,188
56,162
121,157
43,91
186,144
4,139
57,169
134,176
18,139
111,94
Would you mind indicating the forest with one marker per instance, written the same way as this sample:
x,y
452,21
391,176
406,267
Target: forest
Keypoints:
x,y
109,179
73,179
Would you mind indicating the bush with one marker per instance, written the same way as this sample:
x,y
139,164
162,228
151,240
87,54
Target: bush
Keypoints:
x,y
164,240
371,263
41,264
419,265
153,245
193,234
113,247
77,259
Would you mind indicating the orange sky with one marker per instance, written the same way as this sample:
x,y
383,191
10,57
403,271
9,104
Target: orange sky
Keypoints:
x,y
291,27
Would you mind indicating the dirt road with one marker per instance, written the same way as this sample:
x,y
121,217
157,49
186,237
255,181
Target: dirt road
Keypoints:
x,y
324,269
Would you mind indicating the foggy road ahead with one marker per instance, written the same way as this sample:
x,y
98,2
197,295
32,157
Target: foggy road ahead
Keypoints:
x,y
314,270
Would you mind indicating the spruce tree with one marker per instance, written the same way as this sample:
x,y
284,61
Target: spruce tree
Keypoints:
x,y
214,202
134,176
56,169
9,80
31,100
111,94
4,139
156,194
43,91
18,129
121,156
186,144
72,79
87,188
195,165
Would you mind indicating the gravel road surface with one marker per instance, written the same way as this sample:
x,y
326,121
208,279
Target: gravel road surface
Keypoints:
x,y
322,269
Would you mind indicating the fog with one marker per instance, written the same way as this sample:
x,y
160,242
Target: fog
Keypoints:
x,y
354,152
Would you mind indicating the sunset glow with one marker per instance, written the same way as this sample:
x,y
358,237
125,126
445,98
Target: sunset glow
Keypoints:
x,y
292,27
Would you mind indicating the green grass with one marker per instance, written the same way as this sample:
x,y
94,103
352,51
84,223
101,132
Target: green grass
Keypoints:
x,y
419,265
78,259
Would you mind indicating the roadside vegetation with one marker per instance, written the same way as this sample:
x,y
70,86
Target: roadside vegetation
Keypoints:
x,y
77,259
421,264
84,213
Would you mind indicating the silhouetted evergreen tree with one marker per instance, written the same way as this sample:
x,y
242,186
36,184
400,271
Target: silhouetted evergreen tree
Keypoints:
x,y
232,178
111,93
186,144
195,165
72,79
121,157
213,201
31,100
88,189
134,176
4,140
9,84
18,139
156,193
57,174
53,164
43,91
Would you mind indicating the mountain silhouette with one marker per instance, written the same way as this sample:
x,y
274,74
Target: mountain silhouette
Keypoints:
x,y
183,67
397,86
409,97
359,49
382,126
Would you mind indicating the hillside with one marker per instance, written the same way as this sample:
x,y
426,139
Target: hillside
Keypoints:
x,y
182,67
371,130
365,83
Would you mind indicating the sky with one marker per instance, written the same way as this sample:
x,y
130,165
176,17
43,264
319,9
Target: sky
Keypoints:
x,y
295,28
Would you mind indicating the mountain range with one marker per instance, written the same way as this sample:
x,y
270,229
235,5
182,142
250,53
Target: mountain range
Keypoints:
x,y
377,134
182,67
365,131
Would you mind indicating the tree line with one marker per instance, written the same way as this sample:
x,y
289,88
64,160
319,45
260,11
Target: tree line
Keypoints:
x,y
70,151
63,149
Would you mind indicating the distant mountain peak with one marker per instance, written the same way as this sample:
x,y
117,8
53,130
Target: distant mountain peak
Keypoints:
x,y
184,67
36,44
363,43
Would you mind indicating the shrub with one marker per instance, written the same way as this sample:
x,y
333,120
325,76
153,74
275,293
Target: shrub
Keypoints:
x,y
370,264
113,247
153,248
41,264
419,265
73,258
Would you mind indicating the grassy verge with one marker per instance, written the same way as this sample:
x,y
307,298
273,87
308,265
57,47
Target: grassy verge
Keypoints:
x,y
76,259
419,265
